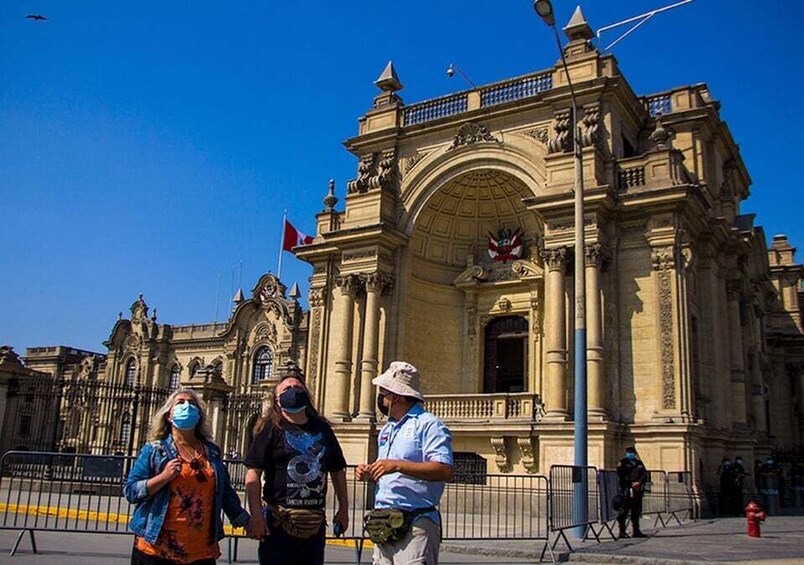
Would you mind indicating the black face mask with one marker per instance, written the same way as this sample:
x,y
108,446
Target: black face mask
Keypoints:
x,y
294,400
381,405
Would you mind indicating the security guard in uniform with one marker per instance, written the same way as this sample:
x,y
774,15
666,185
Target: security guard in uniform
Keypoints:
x,y
633,476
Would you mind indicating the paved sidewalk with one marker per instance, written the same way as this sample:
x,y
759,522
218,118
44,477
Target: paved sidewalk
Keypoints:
x,y
721,540
707,541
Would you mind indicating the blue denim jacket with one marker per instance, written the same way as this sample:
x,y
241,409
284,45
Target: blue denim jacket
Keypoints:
x,y
149,512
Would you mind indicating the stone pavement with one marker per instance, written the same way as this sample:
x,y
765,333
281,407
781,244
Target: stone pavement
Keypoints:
x,y
709,541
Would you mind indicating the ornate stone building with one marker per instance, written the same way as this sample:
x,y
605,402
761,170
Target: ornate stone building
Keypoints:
x,y
454,252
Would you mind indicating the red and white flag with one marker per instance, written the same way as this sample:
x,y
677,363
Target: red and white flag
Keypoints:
x,y
292,237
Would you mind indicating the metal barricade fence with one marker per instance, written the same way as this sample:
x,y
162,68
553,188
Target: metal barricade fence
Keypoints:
x,y
679,495
608,485
654,497
567,511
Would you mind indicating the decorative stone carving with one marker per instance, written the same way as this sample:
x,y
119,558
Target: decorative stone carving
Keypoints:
x,y
351,256
660,137
562,141
734,289
330,199
139,310
590,125
663,258
412,161
375,171
539,134
315,333
349,284
501,455
630,178
527,268
535,320
471,313
469,133
597,255
377,282
317,297
526,447
504,304
556,258
133,343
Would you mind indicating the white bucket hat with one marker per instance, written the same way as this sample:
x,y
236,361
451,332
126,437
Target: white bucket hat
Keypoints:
x,y
400,378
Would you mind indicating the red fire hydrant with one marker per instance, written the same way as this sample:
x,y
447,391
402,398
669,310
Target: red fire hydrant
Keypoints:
x,y
754,514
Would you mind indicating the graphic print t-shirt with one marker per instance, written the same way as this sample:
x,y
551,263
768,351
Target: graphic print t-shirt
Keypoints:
x,y
296,460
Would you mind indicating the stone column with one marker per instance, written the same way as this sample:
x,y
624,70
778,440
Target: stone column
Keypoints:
x,y
345,307
737,361
556,335
375,283
597,257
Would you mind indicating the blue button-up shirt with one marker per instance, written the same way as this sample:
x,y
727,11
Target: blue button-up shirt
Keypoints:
x,y
419,437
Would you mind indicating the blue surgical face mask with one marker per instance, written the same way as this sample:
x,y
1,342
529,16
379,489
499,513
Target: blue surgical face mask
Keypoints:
x,y
185,416
630,455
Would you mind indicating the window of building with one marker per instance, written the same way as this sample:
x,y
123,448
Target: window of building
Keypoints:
x,y
194,369
263,364
131,372
217,367
175,377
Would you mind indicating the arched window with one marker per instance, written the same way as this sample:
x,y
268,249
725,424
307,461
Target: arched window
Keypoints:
x,y
131,372
217,367
175,377
263,363
125,428
194,368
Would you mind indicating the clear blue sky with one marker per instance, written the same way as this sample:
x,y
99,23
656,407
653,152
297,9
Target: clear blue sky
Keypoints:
x,y
149,146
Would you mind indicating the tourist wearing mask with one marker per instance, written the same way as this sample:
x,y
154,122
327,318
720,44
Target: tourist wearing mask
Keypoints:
x,y
179,486
294,449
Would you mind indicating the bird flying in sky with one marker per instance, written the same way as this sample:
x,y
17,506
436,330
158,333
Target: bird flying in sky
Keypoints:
x,y
35,17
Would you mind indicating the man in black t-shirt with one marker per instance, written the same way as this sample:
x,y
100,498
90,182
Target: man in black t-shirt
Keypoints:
x,y
295,449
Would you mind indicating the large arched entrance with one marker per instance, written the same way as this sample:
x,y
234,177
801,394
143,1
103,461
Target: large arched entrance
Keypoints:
x,y
443,318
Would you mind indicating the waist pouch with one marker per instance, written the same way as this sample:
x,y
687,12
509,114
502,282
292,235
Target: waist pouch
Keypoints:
x,y
385,525
296,522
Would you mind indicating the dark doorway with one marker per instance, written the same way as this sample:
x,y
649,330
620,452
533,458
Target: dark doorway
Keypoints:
x,y
506,355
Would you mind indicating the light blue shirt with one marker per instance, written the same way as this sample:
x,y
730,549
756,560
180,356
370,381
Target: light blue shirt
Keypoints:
x,y
419,437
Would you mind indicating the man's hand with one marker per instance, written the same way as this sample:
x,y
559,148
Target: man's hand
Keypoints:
x,y
636,485
382,467
361,473
342,517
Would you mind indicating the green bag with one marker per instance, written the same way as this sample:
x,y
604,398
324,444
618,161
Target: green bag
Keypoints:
x,y
385,525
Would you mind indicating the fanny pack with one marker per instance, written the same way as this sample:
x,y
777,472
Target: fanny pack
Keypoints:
x,y
296,522
385,525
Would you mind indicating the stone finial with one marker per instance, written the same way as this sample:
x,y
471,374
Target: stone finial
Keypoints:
x,y
238,297
389,81
578,28
295,293
153,316
330,199
660,137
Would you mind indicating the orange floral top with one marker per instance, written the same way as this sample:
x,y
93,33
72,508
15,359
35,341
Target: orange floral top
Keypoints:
x,y
186,533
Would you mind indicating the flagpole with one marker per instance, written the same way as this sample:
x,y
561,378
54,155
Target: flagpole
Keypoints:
x,y
281,246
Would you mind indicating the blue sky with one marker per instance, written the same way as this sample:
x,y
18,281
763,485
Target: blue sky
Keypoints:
x,y
152,146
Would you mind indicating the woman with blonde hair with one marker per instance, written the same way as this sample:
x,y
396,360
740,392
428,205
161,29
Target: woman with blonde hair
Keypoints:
x,y
179,486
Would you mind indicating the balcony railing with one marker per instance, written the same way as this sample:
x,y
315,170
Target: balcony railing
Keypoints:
x,y
490,95
486,407
515,89
659,104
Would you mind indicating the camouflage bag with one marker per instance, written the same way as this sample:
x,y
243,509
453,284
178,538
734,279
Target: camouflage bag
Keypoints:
x,y
385,525
297,522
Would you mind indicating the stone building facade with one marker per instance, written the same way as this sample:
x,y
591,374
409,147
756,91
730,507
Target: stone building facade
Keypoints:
x,y
454,251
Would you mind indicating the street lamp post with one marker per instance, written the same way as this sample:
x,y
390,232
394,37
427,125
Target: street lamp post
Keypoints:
x,y
544,9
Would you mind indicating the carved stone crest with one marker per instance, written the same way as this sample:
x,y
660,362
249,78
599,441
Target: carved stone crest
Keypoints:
x,y
469,133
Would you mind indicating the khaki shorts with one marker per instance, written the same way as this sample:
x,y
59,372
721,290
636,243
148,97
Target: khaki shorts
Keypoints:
x,y
418,547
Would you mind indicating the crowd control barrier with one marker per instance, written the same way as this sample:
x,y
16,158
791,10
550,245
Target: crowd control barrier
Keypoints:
x,y
679,496
568,510
654,497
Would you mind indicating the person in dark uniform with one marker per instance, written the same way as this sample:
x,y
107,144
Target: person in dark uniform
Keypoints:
x,y
633,476
725,475
738,470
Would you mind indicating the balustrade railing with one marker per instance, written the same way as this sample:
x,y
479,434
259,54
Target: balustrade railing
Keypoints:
x,y
515,89
491,406
436,108
659,104
632,177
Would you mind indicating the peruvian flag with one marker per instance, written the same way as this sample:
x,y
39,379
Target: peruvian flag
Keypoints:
x,y
291,237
